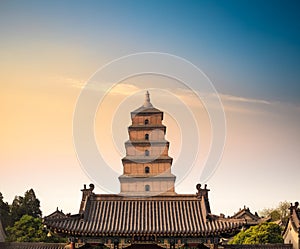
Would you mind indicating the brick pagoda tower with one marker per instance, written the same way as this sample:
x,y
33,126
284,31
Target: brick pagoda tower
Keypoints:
x,y
147,165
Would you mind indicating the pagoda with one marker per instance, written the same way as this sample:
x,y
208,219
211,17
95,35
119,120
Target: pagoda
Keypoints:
x,y
147,213
147,165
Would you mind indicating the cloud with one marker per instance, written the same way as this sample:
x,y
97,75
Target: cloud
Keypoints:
x,y
130,88
69,81
124,89
192,98
116,89
238,99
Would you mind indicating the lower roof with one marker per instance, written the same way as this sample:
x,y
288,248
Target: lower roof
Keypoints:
x,y
115,215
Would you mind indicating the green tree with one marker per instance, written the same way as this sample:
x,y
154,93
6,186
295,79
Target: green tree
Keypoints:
x,y
264,233
283,209
16,209
4,212
275,215
32,204
27,229
30,229
28,204
281,212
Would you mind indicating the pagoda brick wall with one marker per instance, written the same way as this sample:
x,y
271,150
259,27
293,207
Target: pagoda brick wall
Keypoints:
x,y
147,165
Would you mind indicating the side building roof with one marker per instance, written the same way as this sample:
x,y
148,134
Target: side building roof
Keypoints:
x,y
116,215
250,218
294,219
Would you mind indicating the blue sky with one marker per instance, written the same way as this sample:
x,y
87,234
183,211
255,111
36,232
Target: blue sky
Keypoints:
x,y
249,50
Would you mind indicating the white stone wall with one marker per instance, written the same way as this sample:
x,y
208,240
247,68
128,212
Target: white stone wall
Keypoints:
x,y
291,236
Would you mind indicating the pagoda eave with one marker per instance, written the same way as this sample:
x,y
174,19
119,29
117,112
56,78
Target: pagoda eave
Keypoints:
x,y
147,127
128,159
147,142
165,177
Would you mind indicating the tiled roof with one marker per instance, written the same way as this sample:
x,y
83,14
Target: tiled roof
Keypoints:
x,y
115,215
250,218
31,245
143,109
294,219
245,212
147,127
57,214
150,158
298,215
295,216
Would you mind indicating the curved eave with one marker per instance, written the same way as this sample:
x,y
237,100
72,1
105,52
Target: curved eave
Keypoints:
x,y
285,230
148,159
225,231
81,227
134,178
147,127
147,142
146,110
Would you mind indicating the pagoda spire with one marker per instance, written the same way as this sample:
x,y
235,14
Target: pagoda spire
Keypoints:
x,y
147,102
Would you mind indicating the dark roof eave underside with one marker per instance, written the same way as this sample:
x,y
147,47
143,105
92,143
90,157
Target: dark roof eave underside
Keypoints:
x,y
147,160
147,142
159,234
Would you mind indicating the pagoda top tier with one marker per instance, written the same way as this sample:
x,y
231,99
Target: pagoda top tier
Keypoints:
x,y
146,108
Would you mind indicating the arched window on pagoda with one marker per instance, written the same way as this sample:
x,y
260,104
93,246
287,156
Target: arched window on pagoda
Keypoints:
x,y
147,153
147,188
146,121
147,170
146,136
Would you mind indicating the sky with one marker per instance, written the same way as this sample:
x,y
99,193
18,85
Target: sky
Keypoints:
x,y
250,51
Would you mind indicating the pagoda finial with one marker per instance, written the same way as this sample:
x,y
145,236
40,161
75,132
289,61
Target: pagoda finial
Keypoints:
x,y
147,102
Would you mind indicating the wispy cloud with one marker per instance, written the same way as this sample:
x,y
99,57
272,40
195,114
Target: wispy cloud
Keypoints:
x,y
192,98
124,89
129,88
69,81
237,99
111,88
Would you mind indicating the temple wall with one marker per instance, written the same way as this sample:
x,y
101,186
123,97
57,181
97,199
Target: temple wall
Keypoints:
x,y
291,236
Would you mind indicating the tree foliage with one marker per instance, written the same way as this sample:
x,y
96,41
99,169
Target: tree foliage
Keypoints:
x,y
4,212
264,233
30,229
27,229
28,204
281,212
22,220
